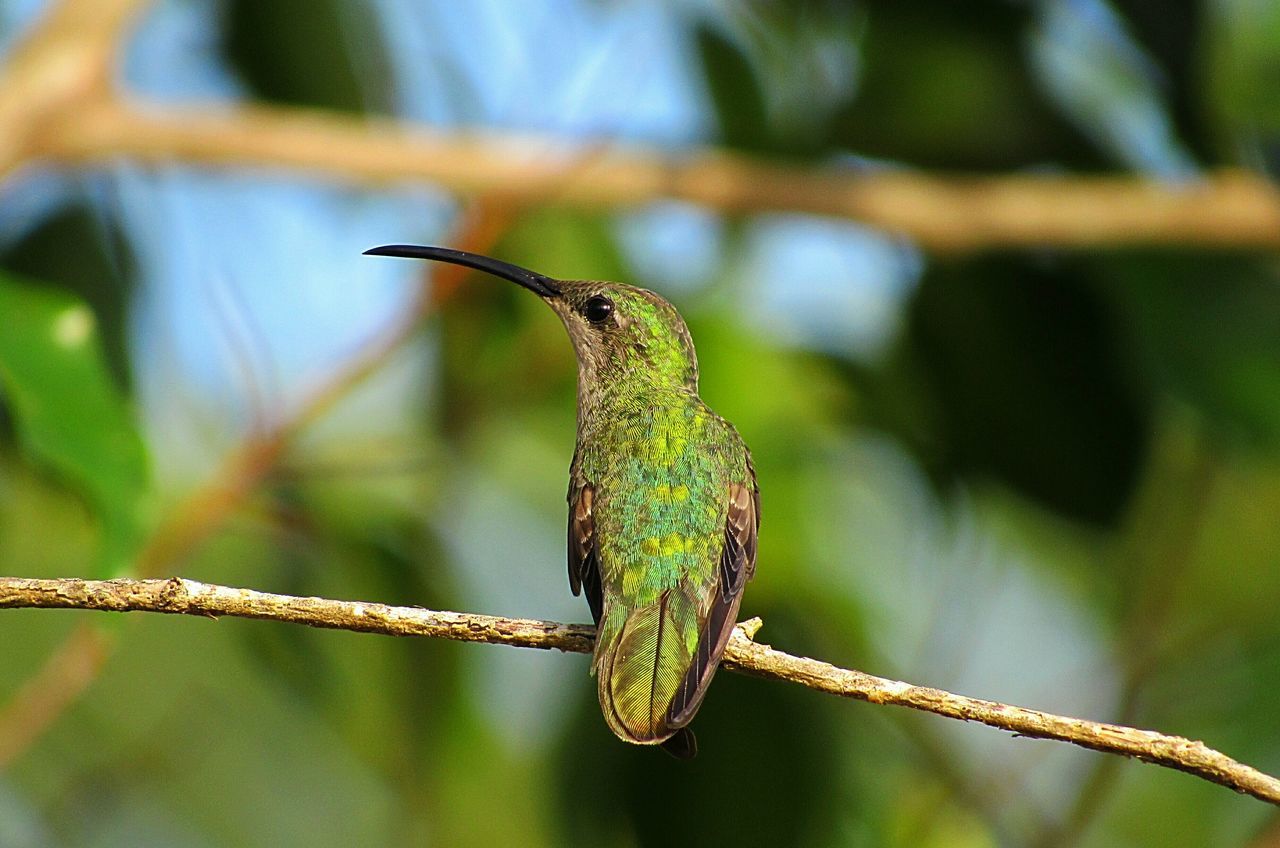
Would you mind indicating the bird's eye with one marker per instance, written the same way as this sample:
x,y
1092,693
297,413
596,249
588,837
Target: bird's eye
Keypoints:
x,y
597,309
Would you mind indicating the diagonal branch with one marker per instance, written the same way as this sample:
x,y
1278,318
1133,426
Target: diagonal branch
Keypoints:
x,y
187,597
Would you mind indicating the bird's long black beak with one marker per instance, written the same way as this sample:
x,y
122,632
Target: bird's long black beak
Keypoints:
x,y
536,283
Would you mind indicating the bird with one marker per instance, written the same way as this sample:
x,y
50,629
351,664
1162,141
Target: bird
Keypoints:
x,y
663,503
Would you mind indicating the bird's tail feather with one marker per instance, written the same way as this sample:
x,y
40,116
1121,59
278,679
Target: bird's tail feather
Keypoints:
x,y
641,659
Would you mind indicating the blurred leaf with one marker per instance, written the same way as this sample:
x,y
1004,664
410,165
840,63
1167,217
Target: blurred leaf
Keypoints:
x,y
98,271
735,91
1026,384
779,71
1205,327
1175,42
1102,80
322,53
942,86
1241,537
1243,80
566,244
70,416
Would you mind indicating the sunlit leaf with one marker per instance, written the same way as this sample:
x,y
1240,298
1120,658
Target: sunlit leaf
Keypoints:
x,y
99,272
70,415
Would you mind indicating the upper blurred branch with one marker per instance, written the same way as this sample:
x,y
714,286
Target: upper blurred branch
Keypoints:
x,y
1230,209
187,597
57,103
63,64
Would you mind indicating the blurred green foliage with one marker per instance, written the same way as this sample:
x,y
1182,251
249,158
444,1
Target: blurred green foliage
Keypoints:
x,y
1058,483
69,413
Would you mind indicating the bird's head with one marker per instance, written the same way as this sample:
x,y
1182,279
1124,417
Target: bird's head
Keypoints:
x,y
619,332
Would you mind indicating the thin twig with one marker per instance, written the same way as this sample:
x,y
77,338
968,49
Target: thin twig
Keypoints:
x,y
188,597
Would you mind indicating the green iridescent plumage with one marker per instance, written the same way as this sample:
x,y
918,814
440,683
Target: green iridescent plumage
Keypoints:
x,y
661,469
663,504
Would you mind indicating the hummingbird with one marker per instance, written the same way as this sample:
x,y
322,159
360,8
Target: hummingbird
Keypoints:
x,y
664,508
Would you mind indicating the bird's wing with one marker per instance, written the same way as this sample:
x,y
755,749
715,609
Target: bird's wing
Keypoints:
x,y
737,566
584,561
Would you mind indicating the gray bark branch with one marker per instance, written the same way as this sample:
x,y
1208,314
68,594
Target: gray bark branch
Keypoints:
x,y
188,597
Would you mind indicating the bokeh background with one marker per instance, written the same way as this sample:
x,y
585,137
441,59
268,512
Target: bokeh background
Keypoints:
x,y
1045,475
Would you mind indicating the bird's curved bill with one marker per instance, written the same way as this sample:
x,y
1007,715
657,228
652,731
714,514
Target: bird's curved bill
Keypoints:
x,y
534,282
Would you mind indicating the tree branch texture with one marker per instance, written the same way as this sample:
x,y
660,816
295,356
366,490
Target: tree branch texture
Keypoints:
x,y
188,597
58,103
949,214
